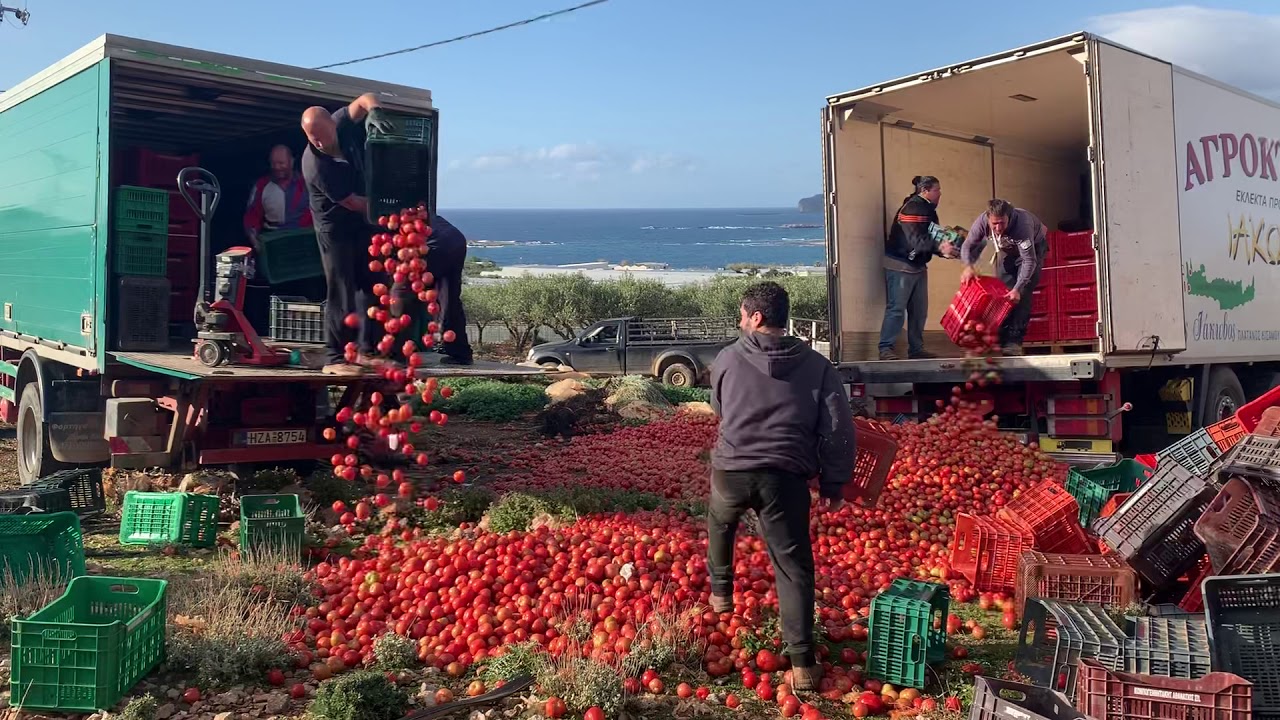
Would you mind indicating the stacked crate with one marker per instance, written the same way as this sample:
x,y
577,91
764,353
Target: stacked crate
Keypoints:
x,y
139,252
1064,305
158,171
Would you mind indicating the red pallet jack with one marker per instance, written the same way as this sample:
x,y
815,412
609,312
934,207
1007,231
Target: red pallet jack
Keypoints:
x,y
223,334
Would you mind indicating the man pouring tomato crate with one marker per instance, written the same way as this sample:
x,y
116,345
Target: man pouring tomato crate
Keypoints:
x,y
1021,246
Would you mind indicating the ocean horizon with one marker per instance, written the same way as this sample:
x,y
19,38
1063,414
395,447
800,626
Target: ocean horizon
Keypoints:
x,y
683,239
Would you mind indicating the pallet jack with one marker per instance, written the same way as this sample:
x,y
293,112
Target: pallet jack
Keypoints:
x,y
223,334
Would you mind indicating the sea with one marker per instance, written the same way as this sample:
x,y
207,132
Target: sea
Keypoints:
x,y
682,239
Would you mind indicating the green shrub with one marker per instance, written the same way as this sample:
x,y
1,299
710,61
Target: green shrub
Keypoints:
x,y
488,400
140,708
362,695
678,395
457,506
393,651
515,511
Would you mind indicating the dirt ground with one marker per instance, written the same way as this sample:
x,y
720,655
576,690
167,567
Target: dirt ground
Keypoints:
x,y
8,457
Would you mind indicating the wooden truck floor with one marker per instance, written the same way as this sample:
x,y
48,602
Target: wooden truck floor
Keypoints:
x,y
184,366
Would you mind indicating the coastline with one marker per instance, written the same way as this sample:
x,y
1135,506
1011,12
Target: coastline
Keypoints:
x,y
603,271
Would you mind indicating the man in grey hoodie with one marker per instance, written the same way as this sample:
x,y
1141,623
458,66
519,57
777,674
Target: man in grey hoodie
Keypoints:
x,y
784,418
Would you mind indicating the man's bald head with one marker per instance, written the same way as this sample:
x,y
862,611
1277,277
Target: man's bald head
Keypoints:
x,y
320,129
281,160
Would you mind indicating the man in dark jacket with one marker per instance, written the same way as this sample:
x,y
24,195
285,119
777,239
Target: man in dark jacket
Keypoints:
x,y
784,418
1021,246
907,252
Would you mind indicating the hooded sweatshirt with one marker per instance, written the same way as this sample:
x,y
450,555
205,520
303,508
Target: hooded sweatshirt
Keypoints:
x,y
783,407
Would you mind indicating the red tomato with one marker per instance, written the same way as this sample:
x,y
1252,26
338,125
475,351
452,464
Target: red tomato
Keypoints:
x,y
191,695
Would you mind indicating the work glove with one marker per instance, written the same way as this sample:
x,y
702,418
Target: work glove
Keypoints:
x,y
377,122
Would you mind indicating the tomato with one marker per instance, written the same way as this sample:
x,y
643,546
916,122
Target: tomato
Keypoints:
x,y
684,691
443,695
275,677
554,707
655,686
732,702
476,687
191,695
593,713
298,691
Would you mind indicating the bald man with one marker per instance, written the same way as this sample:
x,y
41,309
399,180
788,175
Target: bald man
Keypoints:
x,y
279,199
333,168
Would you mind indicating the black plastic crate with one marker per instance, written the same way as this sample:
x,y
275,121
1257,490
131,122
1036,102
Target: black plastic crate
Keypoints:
x,y
1003,700
1243,612
34,499
83,487
142,313
1154,530
1172,647
400,169
296,319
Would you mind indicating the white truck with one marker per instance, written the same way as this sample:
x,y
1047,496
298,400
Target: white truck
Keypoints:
x,y
1172,176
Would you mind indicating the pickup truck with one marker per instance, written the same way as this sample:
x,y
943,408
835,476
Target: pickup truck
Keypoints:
x,y
677,350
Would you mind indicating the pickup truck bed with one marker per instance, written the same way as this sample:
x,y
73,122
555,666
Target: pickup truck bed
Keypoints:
x,y
185,367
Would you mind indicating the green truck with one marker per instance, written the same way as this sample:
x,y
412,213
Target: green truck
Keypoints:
x,y
96,361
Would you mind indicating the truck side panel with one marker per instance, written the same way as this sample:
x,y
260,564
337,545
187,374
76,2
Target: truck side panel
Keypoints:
x,y
1229,211
50,235
1138,214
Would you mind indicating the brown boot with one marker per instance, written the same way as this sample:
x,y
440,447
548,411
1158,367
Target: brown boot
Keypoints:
x,y
806,678
721,604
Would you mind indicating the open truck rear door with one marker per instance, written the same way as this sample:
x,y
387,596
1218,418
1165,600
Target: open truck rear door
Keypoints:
x,y
1134,158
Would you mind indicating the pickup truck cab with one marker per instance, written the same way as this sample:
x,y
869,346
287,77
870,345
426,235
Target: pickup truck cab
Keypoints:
x,y
677,350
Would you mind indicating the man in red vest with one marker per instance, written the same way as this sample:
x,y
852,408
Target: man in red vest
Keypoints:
x,y
279,201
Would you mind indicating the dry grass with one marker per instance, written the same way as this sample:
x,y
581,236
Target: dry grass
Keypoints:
x,y
227,626
44,585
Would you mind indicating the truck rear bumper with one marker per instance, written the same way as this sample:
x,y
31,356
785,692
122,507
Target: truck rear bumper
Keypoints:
x,y
1078,366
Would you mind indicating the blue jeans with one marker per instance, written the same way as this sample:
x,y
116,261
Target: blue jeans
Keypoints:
x,y
906,295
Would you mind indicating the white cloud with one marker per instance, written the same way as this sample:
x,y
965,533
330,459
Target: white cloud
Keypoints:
x,y
1233,46
575,161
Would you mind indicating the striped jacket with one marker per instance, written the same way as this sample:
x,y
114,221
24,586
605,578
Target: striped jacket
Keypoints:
x,y
909,240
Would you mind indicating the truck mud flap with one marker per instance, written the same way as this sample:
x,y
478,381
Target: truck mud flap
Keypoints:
x,y
77,437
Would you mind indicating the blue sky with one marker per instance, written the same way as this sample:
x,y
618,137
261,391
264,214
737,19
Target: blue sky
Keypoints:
x,y
639,103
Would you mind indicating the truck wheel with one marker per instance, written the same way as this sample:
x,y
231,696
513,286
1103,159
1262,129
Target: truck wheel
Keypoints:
x,y
1224,395
679,375
35,459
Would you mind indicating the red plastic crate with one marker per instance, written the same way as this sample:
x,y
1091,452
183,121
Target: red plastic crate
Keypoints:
x,y
1148,459
1076,273
1251,414
1240,529
1078,326
1078,298
1052,515
1105,694
1078,404
1193,601
986,550
1044,299
1041,328
147,168
1227,433
1073,245
876,450
1093,579
1112,504
980,302
1079,427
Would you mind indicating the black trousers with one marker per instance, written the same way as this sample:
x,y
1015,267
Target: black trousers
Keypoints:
x,y
445,263
1015,326
781,502
344,253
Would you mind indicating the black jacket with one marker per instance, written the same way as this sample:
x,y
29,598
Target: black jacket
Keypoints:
x,y
782,406
908,238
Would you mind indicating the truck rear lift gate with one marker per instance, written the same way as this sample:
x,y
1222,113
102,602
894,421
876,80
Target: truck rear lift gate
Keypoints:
x,y
1012,369
186,367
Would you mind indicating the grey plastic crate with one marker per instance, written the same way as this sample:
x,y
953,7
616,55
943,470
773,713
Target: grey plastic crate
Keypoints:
x,y
1195,452
1056,635
296,319
1243,612
1003,700
1172,647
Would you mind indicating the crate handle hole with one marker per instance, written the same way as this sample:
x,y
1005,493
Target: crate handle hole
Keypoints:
x,y
54,634
125,589
1014,695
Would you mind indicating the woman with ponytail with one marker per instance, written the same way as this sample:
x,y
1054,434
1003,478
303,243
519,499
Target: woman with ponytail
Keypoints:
x,y
908,249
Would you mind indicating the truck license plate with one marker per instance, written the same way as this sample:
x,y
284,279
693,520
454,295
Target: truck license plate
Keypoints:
x,y
271,437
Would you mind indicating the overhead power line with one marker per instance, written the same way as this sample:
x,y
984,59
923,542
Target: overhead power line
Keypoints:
x,y
468,36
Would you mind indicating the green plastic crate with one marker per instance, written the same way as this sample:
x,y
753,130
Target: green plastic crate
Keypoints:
x,y
1093,488
141,209
288,255
140,253
40,543
902,640
271,522
85,650
158,518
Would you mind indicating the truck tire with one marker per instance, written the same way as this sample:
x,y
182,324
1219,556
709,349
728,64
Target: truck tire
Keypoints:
x,y
35,459
678,374
1223,395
